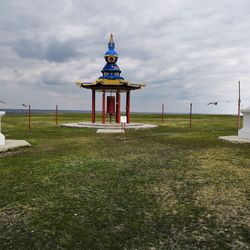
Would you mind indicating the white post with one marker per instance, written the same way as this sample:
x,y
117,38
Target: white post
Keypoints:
x,y
2,137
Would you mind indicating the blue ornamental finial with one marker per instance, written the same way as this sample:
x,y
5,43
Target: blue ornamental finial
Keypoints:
x,y
111,69
111,46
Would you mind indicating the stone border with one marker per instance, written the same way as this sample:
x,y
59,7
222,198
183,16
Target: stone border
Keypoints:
x,y
109,126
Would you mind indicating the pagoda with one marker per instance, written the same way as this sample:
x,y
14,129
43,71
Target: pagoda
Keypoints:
x,y
111,82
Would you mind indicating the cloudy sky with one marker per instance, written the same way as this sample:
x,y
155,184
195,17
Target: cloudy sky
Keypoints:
x,y
183,50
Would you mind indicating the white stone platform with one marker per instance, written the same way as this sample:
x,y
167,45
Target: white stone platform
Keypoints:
x,y
12,144
2,137
244,133
234,139
109,125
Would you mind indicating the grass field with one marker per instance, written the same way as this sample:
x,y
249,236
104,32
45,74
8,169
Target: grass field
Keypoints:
x,y
165,188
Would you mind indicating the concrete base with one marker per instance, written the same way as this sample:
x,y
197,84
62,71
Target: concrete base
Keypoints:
x,y
234,139
2,139
12,144
244,133
110,131
109,125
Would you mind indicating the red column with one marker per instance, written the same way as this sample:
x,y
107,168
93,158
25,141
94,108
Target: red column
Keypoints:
x,y
103,107
128,106
118,108
93,106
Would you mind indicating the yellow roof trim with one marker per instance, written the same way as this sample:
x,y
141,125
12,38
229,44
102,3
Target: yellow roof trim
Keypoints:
x,y
108,82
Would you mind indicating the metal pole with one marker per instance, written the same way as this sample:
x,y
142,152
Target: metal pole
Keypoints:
x,y
124,124
162,113
29,118
190,115
238,117
56,115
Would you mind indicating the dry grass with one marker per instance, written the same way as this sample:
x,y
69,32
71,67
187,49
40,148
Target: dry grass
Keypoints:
x,y
164,188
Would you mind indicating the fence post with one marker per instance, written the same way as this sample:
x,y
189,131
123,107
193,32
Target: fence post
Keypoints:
x,y
56,115
190,115
162,113
29,115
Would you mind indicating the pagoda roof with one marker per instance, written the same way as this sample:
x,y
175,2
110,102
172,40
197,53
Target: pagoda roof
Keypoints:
x,y
108,84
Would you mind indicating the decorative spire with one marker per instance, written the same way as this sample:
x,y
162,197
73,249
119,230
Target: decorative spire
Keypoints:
x,y
111,43
111,39
111,69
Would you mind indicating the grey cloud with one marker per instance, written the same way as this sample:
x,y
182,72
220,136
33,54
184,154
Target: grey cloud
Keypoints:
x,y
182,50
61,51
52,50
50,78
29,49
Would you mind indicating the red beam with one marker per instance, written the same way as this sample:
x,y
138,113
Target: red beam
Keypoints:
x,y
128,106
93,106
103,107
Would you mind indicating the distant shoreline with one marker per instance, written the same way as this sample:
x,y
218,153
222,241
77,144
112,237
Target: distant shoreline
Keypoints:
x,y
52,111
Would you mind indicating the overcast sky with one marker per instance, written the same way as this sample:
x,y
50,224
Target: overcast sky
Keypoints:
x,y
183,50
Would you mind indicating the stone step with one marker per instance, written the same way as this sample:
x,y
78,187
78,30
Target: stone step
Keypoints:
x,y
110,131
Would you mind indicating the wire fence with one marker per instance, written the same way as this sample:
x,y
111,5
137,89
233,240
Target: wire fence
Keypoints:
x,y
192,105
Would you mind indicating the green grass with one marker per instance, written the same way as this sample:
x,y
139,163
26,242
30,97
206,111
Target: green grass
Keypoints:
x,y
165,188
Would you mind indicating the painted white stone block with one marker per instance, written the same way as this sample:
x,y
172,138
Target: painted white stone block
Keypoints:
x,y
2,137
244,133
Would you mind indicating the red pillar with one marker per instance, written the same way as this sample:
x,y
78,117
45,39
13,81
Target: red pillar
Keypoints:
x,y
93,106
128,106
118,108
103,107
